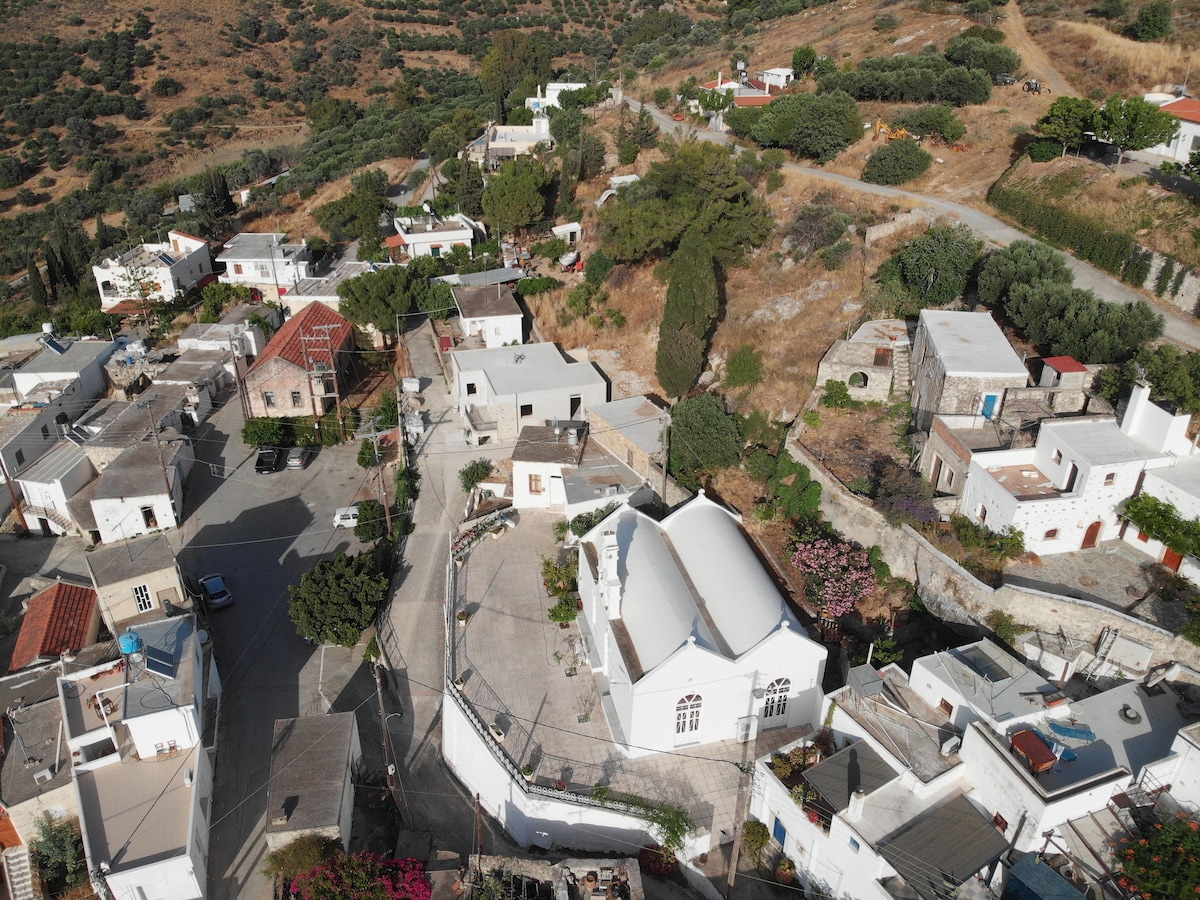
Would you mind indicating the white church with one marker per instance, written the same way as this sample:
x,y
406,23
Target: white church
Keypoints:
x,y
693,642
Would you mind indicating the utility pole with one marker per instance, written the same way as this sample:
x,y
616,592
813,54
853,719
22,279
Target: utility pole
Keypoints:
x,y
323,341
374,437
237,377
664,442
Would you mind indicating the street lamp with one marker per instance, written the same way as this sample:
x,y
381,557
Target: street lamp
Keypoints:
x,y
398,715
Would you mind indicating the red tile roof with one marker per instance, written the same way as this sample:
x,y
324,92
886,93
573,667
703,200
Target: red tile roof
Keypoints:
x,y
58,619
1064,364
1184,108
394,240
127,308
752,101
288,345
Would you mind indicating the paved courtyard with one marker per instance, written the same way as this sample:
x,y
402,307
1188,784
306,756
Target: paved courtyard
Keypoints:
x,y
1114,575
515,661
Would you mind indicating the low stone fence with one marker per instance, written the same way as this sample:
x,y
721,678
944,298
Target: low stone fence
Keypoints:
x,y
954,595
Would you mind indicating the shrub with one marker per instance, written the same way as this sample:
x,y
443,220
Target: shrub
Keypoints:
x,y
903,496
886,23
837,395
597,268
839,576
262,433
627,153
1045,151
551,249
474,472
744,367
1004,626
896,163
301,855
540,284
372,521
937,119
585,522
166,87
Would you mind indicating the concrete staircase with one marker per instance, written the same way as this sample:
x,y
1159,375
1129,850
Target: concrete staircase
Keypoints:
x,y
18,872
902,377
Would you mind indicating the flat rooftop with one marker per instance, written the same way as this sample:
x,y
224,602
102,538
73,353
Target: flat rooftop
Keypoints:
x,y
638,419
309,760
138,471
485,302
192,366
76,358
997,685
248,246
599,474
167,676
409,226
54,464
529,367
327,285
1101,442
1184,475
556,723
1026,482
114,563
903,724
546,444
82,696
137,812
883,331
970,343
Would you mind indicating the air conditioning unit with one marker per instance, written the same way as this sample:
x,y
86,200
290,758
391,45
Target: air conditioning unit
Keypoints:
x,y
42,776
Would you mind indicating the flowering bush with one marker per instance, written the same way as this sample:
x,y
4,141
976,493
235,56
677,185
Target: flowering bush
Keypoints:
x,y
1164,863
839,575
658,861
364,876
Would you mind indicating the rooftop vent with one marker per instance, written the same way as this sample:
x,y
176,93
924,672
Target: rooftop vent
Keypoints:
x,y
42,776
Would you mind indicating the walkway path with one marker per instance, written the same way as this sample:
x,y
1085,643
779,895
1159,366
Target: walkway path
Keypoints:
x,y
1035,62
1178,329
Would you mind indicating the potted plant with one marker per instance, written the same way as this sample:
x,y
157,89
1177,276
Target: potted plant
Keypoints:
x,y
755,836
496,730
785,871
462,615
527,771
560,785
459,682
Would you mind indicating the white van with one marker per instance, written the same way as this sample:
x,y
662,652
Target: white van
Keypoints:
x,y
346,517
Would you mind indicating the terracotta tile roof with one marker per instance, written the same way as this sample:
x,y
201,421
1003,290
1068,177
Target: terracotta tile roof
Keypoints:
x,y
752,101
58,619
287,343
1064,364
394,240
127,308
1184,108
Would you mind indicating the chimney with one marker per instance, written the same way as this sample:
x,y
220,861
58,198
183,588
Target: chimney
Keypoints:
x,y
609,572
858,800
1139,399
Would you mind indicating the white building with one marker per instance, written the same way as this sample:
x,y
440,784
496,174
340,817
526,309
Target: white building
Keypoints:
x,y
142,776
1187,139
557,467
49,483
500,143
501,390
60,364
1064,493
432,235
490,315
238,331
265,262
775,79
141,491
152,272
691,639
540,102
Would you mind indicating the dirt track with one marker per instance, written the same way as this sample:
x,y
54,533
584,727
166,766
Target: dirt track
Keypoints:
x,y
1034,61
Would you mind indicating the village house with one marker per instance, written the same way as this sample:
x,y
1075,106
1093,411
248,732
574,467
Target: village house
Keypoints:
x,y
690,638
872,363
152,273
500,143
72,367
59,621
540,102
431,235
141,491
136,580
556,467
1186,111
501,390
314,764
265,263
961,365
142,775
304,369
29,430
775,79
490,315
239,330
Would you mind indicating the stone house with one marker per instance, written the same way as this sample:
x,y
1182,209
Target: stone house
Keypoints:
x,y
872,363
304,368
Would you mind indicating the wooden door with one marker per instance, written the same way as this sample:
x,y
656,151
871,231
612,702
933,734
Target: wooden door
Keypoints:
x,y
8,832
1171,559
1092,535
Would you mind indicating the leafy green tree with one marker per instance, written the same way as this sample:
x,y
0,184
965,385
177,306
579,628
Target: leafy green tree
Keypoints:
x,y
704,438
516,195
1113,9
1021,262
338,598
354,217
367,457
936,266
387,413
815,126
693,302
936,118
1153,22
1067,321
468,190
377,298
1067,121
1133,124
37,287
331,112
592,156
411,131
976,53
58,854
804,60
214,205
474,472
513,56
896,162
372,522
263,432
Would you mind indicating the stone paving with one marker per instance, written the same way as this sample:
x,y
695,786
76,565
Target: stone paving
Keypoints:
x,y
1114,575
508,653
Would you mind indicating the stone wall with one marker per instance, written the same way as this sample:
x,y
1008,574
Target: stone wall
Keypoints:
x,y
1187,296
955,596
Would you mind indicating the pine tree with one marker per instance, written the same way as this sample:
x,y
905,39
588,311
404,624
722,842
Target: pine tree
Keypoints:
x,y
37,287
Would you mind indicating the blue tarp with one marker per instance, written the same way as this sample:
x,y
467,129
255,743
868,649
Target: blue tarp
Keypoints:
x,y
1082,733
1033,880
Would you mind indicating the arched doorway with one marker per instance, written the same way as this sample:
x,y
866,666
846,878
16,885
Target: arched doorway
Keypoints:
x,y
858,380
687,719
775,707
1091,537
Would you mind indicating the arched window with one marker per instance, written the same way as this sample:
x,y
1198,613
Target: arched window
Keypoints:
x,y
687,717
777,696
858,380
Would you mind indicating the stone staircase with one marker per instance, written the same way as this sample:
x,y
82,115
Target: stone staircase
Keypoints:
x,y
18,872
901,377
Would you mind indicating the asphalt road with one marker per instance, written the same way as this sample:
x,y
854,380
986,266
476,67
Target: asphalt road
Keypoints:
x,y
262,532
1182,330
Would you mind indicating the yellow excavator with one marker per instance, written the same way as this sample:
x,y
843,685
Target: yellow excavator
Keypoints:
x,y
891,134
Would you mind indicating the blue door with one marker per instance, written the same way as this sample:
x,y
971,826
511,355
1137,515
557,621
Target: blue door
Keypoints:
x,y
779,832
989,405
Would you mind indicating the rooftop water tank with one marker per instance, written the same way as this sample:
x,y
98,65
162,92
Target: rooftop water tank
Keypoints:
x,y
129,643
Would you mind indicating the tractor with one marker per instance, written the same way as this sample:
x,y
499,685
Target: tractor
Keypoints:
x,y
1033,86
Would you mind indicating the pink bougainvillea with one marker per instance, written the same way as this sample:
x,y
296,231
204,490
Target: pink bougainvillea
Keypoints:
x,y
839,575
364,876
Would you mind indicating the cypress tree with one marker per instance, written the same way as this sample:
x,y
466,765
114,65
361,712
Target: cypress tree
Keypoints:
x,y
692,306
37,288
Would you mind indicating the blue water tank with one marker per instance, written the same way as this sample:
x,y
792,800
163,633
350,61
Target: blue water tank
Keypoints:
x,y
129,642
